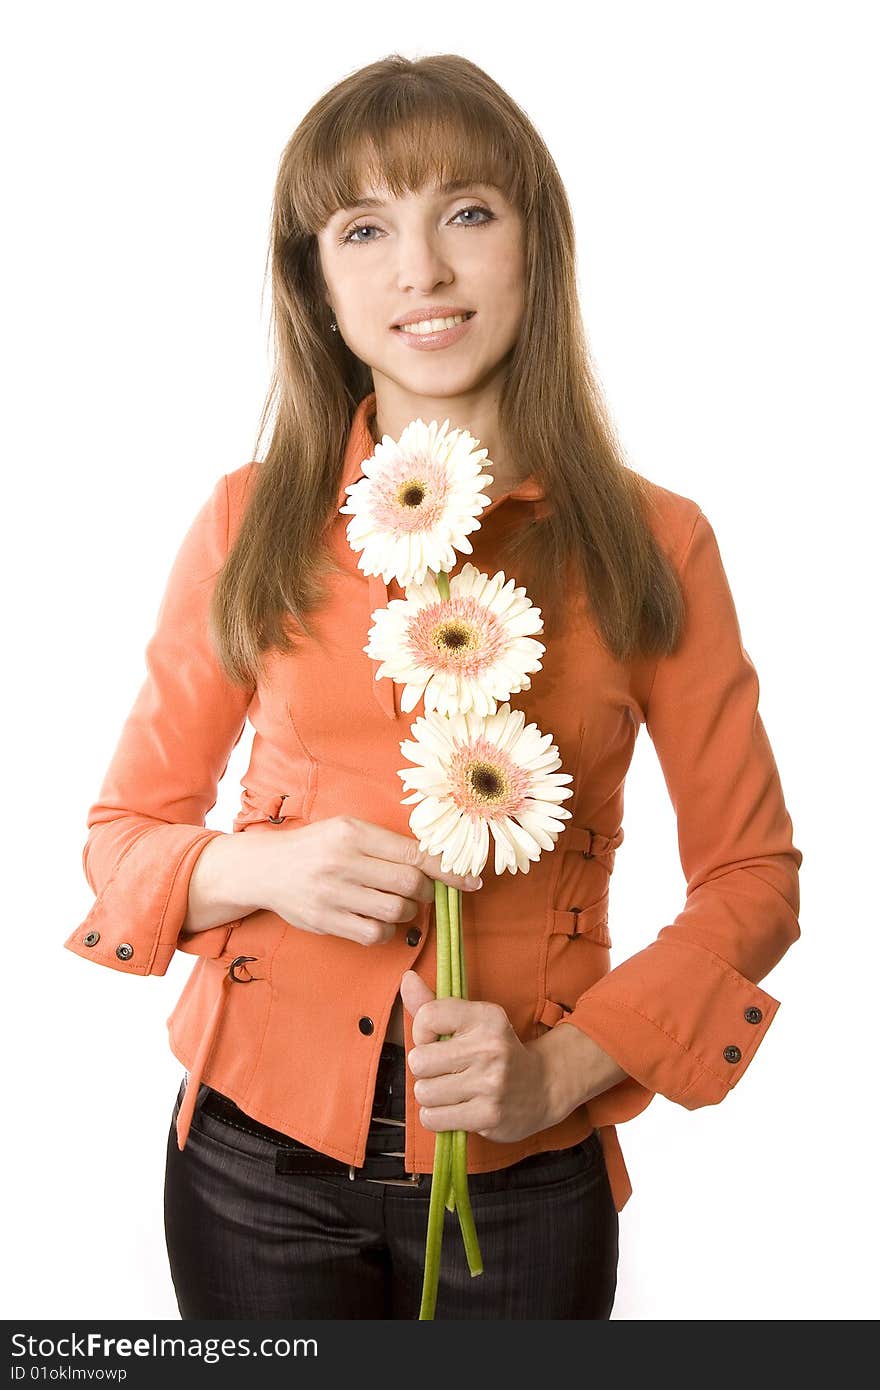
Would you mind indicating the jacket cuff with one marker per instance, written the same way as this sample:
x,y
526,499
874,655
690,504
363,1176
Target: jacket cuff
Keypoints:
x,y
691,1047
135,923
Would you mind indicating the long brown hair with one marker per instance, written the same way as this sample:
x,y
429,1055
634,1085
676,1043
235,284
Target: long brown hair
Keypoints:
x,y
404,123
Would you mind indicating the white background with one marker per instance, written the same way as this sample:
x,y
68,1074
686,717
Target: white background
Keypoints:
x,y
720,164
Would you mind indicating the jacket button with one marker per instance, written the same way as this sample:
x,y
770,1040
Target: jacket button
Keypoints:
x,y
91,938
753,1015
732,1053
366,1025
124,951
413,936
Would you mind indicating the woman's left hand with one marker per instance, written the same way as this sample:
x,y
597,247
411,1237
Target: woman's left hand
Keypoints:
x,y
483,1078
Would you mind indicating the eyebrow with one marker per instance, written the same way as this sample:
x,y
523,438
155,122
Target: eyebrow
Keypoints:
x,y
452,186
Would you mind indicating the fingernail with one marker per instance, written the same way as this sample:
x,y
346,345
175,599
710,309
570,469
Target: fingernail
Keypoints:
x,y
473,882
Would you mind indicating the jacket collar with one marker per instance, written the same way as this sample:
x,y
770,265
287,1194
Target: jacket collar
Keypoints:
x,y
359,448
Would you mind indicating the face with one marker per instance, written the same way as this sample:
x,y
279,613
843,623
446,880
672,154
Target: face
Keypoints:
x,y
431,255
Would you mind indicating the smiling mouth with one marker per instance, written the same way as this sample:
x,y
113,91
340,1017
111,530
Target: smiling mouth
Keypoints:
x,y
427,326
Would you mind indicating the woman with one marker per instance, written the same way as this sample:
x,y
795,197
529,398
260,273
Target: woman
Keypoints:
x,y
301,1144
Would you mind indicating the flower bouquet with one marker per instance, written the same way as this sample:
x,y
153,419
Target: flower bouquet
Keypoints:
x,y
464,644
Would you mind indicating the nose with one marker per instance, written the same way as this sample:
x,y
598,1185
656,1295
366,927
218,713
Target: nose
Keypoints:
x,y
421,264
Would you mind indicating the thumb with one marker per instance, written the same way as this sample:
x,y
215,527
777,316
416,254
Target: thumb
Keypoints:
x,y
414,992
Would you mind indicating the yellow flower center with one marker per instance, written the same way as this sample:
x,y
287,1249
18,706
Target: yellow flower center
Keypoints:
x,y
453,636
487,782
411,493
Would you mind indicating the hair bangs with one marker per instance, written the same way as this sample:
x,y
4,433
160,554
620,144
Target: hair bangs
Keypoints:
x,y
410,138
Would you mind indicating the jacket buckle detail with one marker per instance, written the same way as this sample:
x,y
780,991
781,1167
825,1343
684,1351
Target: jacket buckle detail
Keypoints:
x,y
239,979
274,807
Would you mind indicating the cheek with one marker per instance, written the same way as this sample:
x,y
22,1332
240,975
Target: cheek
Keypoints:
x,y
359,290
510,278
512,296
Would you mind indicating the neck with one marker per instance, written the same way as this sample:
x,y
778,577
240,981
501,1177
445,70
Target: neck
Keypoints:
x,y
476,412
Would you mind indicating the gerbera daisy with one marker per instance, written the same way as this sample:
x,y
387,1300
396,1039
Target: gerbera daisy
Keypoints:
x,y
463,653
480,775
417,503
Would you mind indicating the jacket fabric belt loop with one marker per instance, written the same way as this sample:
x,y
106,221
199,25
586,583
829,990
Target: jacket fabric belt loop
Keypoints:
x,y
283,806
552,1013
589,921
590,843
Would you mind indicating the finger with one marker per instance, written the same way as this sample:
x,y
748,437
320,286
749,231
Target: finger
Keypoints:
x,y
430,864
385,907
472,1115
439,1058
398,879
440,1016
365,931
435,1091
377,842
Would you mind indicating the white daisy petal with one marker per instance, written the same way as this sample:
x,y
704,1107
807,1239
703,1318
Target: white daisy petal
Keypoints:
x,y
458,653
471,788
417,501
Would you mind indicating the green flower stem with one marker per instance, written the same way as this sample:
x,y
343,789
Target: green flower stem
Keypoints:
x,y
461,962
463,1202
453,896
454,909
439,1182
460,1198
455,970
444,941
442,1169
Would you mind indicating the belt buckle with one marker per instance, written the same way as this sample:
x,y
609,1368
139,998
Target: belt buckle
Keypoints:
x,y
411,1180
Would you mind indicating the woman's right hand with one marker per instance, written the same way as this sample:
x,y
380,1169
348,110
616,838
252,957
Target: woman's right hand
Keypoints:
x,y
347,877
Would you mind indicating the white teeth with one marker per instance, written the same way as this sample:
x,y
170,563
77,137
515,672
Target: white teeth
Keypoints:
x,y
432,325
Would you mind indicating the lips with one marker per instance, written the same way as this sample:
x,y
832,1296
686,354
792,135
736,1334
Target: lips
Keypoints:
x,y
431,312
418,339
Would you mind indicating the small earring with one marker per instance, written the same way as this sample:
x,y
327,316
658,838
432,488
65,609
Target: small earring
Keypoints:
x,y
334,326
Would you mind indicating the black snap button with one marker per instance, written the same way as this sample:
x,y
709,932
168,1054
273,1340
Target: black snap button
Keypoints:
x,y
413,936
91,938
732,1053
366,1025
753,1015
124,951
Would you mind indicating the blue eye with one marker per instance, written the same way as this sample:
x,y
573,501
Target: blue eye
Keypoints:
x,y
362,227
350,239
490,216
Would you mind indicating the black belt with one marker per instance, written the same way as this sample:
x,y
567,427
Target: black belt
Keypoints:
x,y
383,1159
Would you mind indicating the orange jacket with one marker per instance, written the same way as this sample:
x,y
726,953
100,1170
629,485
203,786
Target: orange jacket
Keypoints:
x,y
283,1032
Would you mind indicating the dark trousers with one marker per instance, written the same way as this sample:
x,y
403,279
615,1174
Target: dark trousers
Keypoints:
x,y
245,1241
